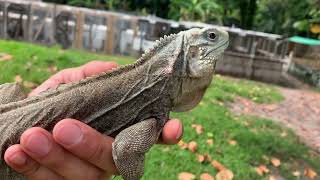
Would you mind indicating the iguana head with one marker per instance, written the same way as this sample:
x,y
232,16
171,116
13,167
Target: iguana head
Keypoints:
x,y
202,48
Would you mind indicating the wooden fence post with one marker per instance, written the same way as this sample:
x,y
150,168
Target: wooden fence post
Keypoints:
x,y
134,26
1,27
79,30
30,23
5,20
109,42
251,60
285,44
275,49
53,25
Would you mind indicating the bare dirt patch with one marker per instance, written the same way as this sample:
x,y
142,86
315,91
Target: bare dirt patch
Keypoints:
x,y
299,111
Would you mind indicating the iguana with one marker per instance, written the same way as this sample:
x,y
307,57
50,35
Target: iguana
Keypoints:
x,y
131,103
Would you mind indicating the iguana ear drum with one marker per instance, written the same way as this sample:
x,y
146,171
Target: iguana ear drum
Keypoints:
x,y
196,66
193,56
193,53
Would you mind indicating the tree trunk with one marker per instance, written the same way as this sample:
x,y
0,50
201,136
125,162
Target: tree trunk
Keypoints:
x,y
247,13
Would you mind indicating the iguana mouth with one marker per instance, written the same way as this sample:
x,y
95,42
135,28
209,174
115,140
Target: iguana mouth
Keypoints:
x,y
213,54
212,57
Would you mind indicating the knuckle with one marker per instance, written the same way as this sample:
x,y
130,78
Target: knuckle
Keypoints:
x,y
56,160
94,175
61,74
31,170
97,154
64,71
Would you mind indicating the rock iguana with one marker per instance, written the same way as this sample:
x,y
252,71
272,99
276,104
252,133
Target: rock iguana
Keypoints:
x,y
131,103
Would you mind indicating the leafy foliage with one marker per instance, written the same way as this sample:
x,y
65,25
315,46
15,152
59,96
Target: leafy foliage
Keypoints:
x,y
83,3
196,10
287,17
269,18
158,8
311,20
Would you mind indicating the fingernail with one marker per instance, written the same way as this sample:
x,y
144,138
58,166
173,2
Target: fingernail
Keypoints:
x,y
38,144
179,132
18,158
69,134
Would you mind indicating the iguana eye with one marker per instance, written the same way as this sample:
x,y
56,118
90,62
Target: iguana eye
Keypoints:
x,y
212,36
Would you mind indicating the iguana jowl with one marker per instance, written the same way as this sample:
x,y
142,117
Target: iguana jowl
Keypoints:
x,y
131,103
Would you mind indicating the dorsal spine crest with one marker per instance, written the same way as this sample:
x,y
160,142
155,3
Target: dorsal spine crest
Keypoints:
x,y
144,58
159,44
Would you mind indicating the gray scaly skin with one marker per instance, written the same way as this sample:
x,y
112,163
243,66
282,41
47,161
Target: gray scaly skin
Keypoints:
x,y
130,103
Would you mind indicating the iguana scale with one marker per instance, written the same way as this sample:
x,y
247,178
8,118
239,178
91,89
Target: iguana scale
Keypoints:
x,y
130,103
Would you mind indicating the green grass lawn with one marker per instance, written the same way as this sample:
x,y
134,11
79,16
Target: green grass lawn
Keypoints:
x,y
31,62
257,140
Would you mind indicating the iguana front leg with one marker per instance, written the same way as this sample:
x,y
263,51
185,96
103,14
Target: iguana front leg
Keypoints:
x,y
130,146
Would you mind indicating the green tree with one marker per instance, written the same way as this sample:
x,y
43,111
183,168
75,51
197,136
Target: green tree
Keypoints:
x,y
158,8
242,10
196,10
287,17
118,5
312,19
247,12
278,16
230,12
84,3
57,1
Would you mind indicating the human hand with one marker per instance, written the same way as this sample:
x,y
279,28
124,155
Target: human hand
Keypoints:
x,y
73,150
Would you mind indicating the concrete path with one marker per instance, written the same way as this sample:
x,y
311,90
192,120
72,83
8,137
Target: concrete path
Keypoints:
x,y
299,111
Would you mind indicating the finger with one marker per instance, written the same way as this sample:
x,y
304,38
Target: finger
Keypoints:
x,y
62,77
96,67
18,160
74,74
172,132
86,143
52,82
40,146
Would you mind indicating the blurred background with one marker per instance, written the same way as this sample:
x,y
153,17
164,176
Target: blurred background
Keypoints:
x,y
260,119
